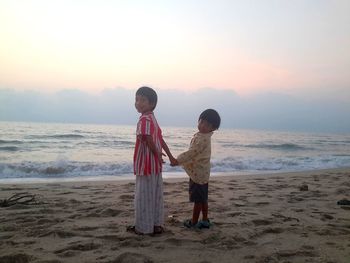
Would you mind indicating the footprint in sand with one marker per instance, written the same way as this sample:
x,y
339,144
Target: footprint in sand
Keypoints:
x,y
234,214
4,237
262,203
80,187
126,197
86,228
239,204
262,222
132,257
65,193
326,217
58,233
249,257
109,212
296,253
23,258
294,199
49,261
73,249
174,241
12,189
273,230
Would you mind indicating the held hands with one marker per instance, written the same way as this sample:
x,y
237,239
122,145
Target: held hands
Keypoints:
x,y
173,161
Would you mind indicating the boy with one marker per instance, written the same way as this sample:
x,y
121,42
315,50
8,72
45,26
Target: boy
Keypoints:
x,y
196,162
148,202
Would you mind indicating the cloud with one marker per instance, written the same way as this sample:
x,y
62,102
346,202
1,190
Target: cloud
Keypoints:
x,y
271,111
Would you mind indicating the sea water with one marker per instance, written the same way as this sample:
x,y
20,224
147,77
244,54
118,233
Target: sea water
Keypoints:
x,y
66,151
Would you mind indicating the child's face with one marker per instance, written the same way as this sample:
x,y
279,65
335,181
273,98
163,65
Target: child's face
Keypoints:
x,y
204,126
142,104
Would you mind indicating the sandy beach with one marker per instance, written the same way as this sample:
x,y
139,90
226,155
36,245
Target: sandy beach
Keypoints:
x,y
292,217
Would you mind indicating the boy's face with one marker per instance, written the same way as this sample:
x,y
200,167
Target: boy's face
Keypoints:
x,y
204,126
142,104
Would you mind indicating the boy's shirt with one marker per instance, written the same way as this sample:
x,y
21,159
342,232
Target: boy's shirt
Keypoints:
x,y
145,162
196,161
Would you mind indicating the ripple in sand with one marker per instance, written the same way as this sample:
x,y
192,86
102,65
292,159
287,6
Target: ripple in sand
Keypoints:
x,y
126,197
274,230
86,228
174,241
294,253
262,222
59,233
4,237
110,212
49,261
132,257
22,258
78,247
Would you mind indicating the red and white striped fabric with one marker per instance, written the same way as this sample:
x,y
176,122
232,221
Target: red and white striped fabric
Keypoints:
x,y
145,161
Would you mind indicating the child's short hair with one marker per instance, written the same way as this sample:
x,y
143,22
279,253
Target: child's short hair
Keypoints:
x,y
149,93
211,116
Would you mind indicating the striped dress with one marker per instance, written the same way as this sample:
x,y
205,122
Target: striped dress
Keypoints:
x,y
145,162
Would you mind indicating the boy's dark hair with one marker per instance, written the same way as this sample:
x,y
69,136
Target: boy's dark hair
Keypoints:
x,y
211,116
149,93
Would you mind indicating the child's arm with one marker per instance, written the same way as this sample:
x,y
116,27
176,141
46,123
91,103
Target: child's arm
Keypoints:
x,y
173,161
149,141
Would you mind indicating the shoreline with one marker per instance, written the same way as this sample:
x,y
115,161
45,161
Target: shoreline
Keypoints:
x,y
166,176
256,218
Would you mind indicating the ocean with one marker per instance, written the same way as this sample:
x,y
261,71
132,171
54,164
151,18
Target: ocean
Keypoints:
x,y
45,151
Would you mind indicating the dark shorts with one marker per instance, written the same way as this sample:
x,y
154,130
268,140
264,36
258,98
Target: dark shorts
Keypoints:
x,y
198,192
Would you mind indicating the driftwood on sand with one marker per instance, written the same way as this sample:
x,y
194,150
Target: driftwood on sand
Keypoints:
x,y
24,198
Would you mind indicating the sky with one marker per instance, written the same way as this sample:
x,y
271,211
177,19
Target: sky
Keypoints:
x,y
259,50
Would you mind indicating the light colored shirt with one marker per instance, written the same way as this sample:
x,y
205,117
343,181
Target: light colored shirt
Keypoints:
x,y
145,161
196,161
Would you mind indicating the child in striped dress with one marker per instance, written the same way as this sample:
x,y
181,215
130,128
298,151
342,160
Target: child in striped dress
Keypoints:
x,y
149,216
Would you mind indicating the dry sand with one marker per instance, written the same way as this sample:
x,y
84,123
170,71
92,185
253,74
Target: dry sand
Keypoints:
x,y
257,218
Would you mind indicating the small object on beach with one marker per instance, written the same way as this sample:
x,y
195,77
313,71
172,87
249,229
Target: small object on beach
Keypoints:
x,y
304,187
343,202
19,198
172,219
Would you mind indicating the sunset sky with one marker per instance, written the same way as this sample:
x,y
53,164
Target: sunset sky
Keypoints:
x,y
292,47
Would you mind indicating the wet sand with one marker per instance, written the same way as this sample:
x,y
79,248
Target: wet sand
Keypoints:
x,y
290,217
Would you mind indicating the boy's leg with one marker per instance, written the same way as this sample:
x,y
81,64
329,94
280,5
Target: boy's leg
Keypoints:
x,y
197,208
199,195
205,211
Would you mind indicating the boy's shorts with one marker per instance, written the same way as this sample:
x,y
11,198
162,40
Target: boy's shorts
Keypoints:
x,y
198,192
